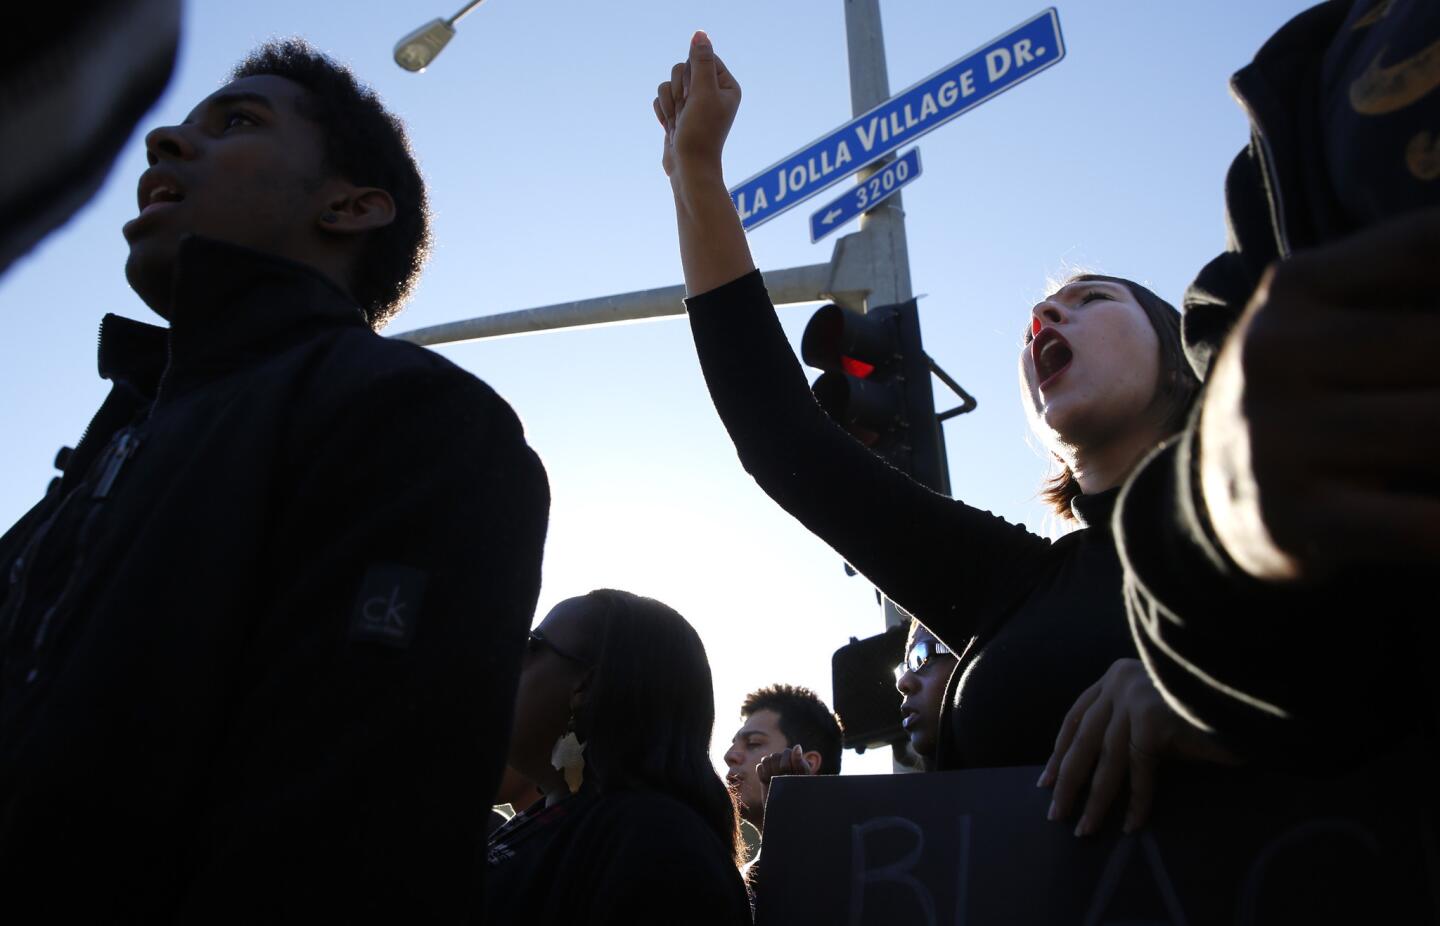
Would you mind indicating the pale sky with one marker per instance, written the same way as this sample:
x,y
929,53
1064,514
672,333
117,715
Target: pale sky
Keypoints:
x,y
535,132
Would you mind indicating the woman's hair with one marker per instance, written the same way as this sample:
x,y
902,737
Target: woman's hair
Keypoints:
x,y
648,717
1178,384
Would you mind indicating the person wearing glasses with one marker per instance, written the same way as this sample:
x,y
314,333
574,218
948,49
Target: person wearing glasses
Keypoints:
x,y
1103,381
613,718
922,679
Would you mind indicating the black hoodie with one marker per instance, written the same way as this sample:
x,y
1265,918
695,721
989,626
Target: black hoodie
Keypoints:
x,y
1345,668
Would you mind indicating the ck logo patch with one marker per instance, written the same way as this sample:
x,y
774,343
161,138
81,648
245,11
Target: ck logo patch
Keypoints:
x,y
388,607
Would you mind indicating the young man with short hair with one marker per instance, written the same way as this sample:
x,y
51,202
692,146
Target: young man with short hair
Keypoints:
x,y
787,730
259,643
780,719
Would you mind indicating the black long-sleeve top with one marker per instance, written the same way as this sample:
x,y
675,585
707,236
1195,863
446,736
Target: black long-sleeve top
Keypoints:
x,y
1038,622
635,857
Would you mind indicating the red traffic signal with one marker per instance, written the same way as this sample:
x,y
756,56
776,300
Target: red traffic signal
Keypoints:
x,y
857,353
876,384
839,340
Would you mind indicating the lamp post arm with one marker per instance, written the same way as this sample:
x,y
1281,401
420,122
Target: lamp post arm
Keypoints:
x,y
466,11
788,286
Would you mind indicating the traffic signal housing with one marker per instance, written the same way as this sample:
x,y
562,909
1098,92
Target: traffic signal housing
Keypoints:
x,y
876,385
862,675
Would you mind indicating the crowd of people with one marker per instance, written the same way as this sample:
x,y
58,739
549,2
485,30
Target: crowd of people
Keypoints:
x,y
237,683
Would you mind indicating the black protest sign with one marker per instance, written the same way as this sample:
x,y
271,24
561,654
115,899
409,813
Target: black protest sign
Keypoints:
x,y
974,848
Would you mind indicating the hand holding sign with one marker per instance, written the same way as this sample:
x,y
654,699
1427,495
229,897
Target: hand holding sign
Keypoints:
x,y
696,107
1120,727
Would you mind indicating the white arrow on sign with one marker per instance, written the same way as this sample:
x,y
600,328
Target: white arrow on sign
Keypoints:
x,y
863,197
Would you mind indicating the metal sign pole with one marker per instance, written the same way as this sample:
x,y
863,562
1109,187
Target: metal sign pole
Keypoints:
x,y
889,271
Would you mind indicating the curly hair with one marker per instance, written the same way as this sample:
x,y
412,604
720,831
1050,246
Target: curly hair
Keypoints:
x,y
366,145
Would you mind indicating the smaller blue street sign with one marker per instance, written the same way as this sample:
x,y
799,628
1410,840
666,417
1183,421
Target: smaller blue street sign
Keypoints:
x,y
877,188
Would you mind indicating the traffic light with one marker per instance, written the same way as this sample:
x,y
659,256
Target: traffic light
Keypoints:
x,y
862,675
876,385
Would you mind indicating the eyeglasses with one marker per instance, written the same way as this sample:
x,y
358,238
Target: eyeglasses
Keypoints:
x,y
536,639
918,656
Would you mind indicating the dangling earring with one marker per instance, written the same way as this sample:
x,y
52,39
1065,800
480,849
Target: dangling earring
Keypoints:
x,y
568,757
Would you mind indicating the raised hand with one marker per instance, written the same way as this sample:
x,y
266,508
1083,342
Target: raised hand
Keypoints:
x,y
696,107
1320,429
1120,729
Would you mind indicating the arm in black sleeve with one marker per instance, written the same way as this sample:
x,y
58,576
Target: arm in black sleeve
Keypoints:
x,y
1283,674
368,733
1199,622
1180,595
1278,672
947,563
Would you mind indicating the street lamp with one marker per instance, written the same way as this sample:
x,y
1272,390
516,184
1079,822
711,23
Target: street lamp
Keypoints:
x,y
419,48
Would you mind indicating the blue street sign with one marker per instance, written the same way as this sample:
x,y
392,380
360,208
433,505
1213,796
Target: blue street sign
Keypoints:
x,y
991,69
877,188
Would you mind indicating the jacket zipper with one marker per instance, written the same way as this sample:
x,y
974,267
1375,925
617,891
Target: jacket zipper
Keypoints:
x,y
121,450
1270,169
119,455
126,443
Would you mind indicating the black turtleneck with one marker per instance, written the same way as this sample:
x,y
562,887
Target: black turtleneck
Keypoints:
x,y
1038,622
1009,694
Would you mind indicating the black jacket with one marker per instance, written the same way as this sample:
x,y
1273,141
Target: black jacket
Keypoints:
x,y
638,858
1038,622
1281,671
258,646
114,55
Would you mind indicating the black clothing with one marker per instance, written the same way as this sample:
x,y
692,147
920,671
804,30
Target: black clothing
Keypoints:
x,y
74,82
1344,109
634,857
1042,621
258,646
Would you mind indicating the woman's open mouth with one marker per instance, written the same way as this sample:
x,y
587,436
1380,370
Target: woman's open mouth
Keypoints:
x,y
1052,356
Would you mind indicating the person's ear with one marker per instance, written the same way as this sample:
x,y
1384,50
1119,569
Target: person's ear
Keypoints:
x,y
813,761
355,210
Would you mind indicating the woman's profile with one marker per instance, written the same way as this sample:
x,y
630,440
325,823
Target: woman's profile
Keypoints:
x,y
613,717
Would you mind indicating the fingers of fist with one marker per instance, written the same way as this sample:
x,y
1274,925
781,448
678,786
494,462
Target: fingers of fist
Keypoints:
x,y
788,762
